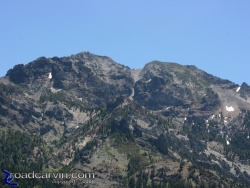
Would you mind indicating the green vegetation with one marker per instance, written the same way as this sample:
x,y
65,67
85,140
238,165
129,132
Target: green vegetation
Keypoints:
x,y
136,163
80,155
196,127
239,145
20,153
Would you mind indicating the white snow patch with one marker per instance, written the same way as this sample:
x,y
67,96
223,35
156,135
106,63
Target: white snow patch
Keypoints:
x,y
148,81
53,90
228,143
185,118
50,75
225,121
230,108
238,89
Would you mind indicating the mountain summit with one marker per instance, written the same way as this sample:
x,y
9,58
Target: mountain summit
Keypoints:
x,y
165,125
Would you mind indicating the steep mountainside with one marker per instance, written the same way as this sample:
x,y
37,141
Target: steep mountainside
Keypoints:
x,y
165,125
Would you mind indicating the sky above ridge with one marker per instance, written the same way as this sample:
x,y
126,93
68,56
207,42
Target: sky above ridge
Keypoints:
x,y
212,35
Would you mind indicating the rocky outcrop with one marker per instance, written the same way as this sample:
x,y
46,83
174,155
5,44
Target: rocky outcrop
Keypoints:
x,y
245,91
97,112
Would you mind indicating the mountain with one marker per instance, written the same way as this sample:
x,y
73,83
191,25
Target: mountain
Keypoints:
x,y
165,125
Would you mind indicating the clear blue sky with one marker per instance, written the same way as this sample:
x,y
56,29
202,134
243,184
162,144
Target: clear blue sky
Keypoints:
x,y
214,35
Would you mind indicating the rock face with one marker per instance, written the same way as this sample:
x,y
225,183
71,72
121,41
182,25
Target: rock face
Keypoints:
x,y
162,124
245,91
84,75
167,84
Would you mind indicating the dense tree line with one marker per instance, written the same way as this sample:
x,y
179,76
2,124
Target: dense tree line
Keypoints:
x,y
23,153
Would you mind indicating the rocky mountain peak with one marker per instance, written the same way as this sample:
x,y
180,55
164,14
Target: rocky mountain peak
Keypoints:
x,y
165,123
244,90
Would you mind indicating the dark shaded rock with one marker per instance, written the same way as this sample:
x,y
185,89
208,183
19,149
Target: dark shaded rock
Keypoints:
x,y
59,114
162,144
210,100
137,131
245,90
196,144
18,74
2,100
3,111
154,96
45,129
122,126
